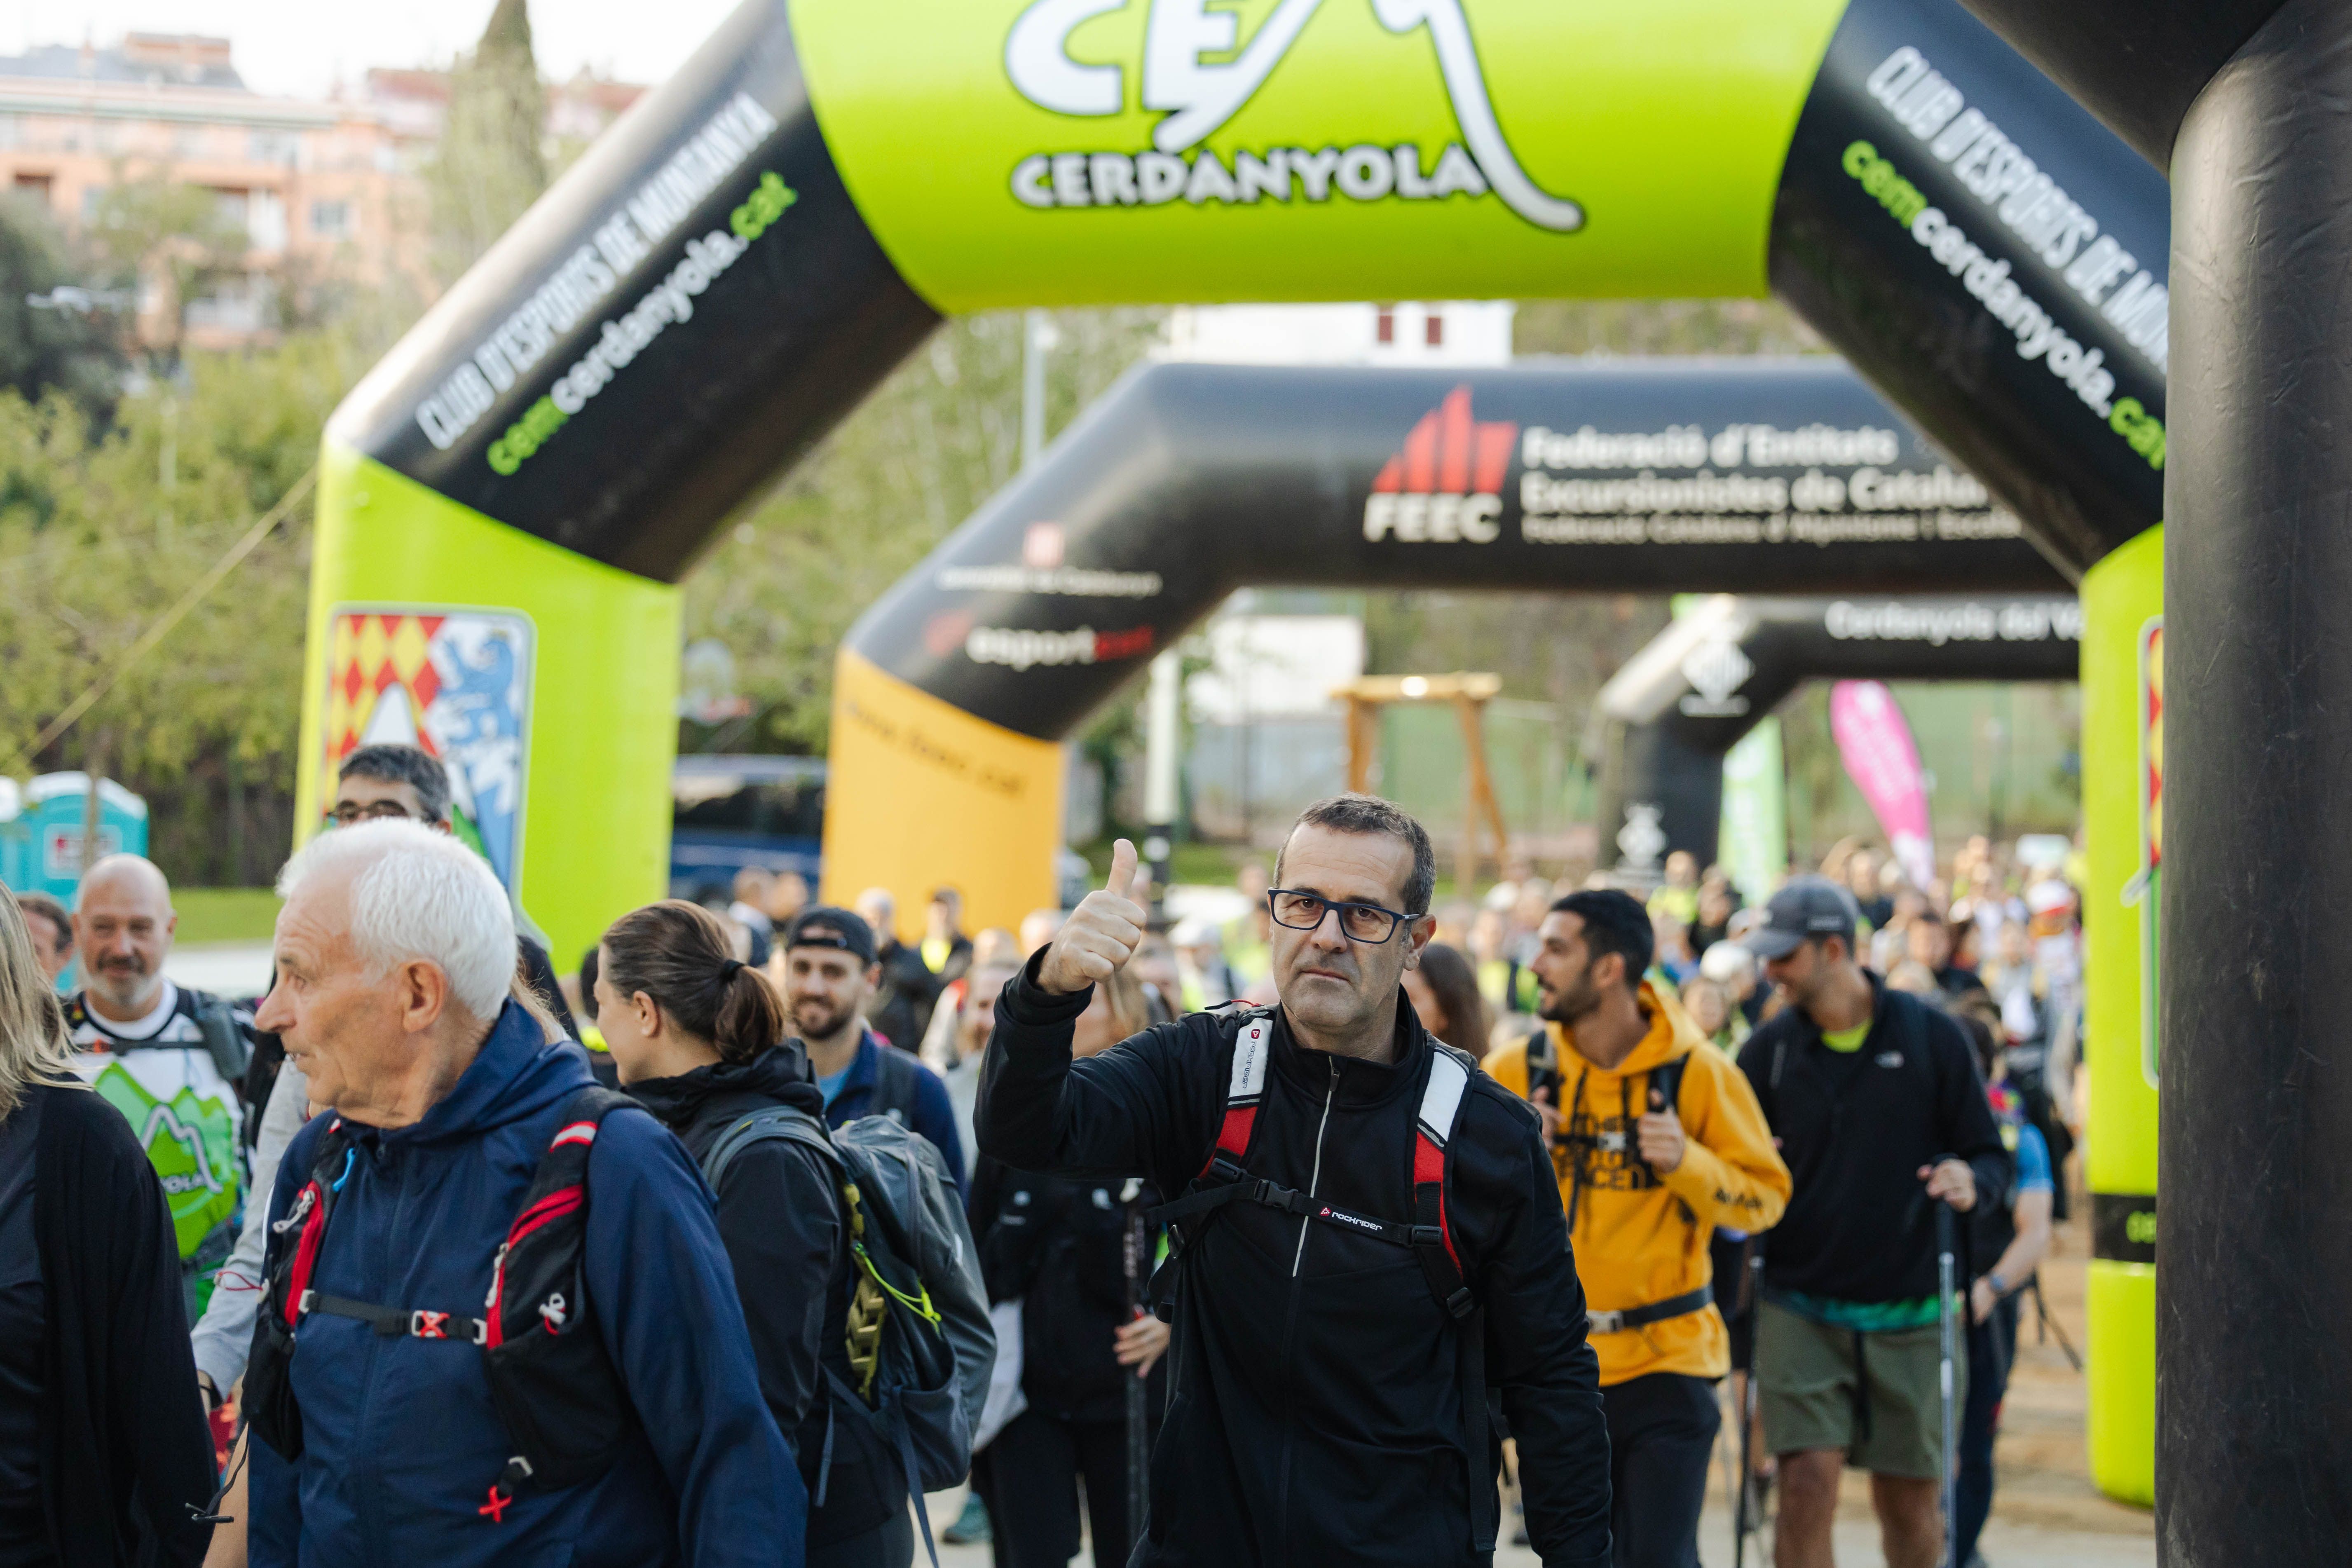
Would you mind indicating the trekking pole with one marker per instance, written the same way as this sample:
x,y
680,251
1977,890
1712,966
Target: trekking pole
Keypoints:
x,y
1947,1322
1139,1437
1748,1403
2049,1324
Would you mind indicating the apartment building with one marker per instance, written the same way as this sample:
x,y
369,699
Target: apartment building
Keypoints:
x,y
321,189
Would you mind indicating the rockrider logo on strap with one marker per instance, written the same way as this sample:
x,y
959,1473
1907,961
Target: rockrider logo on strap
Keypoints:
x,y
1199,95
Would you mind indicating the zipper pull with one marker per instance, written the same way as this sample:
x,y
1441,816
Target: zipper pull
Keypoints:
x,y
498,1266
301,1210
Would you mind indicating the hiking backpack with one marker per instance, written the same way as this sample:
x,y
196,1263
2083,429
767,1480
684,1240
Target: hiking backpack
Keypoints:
x,y
563,1406
920,1342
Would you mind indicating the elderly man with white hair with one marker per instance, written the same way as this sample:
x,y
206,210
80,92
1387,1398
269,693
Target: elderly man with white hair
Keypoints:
x,y
410,1407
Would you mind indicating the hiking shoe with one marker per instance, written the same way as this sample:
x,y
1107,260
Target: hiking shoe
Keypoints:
x,y
970,1526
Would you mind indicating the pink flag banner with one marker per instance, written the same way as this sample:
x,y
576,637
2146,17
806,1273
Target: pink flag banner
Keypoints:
x,y
1875,744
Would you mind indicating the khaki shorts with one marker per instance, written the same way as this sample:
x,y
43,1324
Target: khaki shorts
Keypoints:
x,y
1809,1377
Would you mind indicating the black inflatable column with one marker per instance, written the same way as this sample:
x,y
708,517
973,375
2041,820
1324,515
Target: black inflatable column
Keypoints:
x,y
2254,1363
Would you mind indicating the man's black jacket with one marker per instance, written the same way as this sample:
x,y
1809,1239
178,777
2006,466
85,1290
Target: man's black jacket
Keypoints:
x,y
1058,1245
1854,1128
125,1458
1315,1406
780,1216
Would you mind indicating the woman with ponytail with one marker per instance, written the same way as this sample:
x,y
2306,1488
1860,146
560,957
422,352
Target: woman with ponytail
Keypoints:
x,y
699,1039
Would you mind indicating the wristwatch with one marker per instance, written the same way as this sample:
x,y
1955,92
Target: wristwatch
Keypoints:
x,y
1999,1286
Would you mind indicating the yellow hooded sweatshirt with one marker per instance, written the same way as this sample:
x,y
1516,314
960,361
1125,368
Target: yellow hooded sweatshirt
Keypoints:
x,y
1641,1237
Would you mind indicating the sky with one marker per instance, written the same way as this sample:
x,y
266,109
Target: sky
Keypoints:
x,y
301,47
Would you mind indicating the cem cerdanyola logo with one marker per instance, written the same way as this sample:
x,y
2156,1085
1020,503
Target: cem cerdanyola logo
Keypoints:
x,y
1445,484
1199,96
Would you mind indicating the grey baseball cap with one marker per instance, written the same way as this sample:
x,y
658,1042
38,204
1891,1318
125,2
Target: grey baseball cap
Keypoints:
x,y
1809,908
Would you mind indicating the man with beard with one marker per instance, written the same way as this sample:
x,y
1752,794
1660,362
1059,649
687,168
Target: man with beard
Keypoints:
x,y
829,977
168,1058
1657,1139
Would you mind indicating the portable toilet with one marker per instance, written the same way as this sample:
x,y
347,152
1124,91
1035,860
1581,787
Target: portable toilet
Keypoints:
x,y
52,824
16,837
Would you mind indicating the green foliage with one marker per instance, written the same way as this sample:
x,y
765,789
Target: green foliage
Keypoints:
x,y
100,535
150,230
72,352
937,439
489,164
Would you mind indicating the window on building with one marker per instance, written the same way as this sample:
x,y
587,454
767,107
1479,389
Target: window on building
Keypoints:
x,y
234,209
188,141
1386,332
331,220
1434,334
272,147
35,187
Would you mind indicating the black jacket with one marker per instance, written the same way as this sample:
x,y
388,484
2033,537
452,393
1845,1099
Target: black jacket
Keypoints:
x,y
780,1216
1315,1409
902,1008
1058,1245
124,1449
1854,1128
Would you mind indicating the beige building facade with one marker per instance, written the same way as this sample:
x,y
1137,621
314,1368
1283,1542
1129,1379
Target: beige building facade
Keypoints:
x,y
321,190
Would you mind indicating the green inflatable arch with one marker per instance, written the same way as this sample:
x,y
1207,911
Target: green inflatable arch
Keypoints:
x,y
509,501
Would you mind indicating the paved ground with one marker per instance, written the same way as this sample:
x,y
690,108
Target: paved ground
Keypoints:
x,y
2046,1514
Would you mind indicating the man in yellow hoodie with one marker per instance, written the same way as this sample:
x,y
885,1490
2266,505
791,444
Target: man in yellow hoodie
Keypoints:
x,y
1657,1139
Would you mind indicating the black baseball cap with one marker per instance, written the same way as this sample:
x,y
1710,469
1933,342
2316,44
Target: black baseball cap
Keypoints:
x,y
822,925
1807,909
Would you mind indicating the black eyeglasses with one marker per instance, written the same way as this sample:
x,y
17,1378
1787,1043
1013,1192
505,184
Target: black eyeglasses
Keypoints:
x,y
1358,922
346,812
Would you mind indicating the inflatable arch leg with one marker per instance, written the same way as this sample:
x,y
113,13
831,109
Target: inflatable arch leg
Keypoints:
x,y
408,586
2123,610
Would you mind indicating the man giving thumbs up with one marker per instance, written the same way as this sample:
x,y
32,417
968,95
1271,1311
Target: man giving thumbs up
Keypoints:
x,y
1369,1235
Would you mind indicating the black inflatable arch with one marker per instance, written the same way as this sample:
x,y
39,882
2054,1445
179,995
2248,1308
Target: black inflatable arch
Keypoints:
x,y
1187,481
1704,682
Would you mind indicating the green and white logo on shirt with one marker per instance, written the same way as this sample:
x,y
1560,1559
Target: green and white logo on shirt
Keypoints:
x,y
191,1140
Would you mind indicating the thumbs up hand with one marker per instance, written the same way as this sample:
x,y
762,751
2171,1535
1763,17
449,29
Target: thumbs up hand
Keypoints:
x,y
1101,933
1661,1135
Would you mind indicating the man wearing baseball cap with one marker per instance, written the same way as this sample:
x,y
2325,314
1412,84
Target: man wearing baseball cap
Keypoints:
x,y
825,961
1875,1099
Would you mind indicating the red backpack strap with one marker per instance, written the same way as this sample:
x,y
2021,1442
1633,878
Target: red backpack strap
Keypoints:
x,y
1245,1088
1442,1098
330,1168
550,1228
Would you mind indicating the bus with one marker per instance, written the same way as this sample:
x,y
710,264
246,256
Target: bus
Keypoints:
x,y
732,812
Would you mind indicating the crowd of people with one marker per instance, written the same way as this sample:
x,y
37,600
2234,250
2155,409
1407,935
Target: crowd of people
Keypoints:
x,y
1270,1241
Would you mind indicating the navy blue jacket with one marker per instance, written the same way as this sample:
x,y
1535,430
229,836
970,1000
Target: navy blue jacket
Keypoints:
x,y
932,1114
401,1441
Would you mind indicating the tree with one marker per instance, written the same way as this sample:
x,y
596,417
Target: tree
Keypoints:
x,y
99,536
939,437
72,350
168,244
489,165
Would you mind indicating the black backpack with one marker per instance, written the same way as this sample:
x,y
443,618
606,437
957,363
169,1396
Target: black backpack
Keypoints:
x,y
920,1342
563,1406
1664,1080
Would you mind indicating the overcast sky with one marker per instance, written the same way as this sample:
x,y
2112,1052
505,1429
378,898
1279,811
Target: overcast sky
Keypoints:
x,y
300,46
